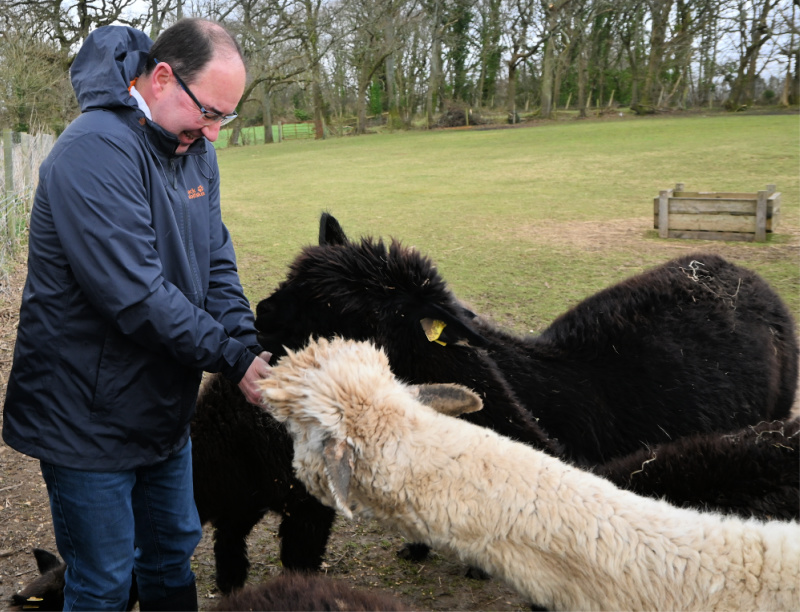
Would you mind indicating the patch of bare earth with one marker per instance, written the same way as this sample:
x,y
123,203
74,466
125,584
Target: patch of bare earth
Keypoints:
x,y
361,553
24,509
638,236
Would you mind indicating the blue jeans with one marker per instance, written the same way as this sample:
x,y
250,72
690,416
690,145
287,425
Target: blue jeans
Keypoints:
x,y
108,524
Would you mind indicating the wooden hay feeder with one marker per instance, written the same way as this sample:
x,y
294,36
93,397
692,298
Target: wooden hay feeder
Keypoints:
x,y
716,215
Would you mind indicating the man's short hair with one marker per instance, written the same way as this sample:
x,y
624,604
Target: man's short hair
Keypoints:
x,y
189,45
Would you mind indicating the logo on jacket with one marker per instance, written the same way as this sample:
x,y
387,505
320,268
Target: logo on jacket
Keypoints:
x,y
196,193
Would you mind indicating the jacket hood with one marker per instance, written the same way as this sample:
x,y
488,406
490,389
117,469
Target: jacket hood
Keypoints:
x,y
110,58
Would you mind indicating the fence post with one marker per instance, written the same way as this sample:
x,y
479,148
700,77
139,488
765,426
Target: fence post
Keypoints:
x,y
27,167
663,213
761,216
8,162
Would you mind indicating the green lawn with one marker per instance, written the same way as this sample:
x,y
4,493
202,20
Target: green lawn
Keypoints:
x,y
521,222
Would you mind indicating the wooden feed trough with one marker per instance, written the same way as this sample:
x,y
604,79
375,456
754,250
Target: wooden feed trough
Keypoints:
x,y
716,215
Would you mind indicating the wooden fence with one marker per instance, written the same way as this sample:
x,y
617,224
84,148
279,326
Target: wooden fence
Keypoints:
x,y
21,155
295,131
706,215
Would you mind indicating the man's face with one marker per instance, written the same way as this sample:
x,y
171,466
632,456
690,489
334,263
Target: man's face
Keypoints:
x,y
218,88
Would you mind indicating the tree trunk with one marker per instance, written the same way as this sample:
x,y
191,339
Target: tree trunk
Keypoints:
x,y
266,113
316,92
434,82
310,36
548,62
361,104
512,90
158,18
708,60
490,53
552,10
794,95
630,33
786,94
233,139
459,18
649,94
391,84
760,33
583,76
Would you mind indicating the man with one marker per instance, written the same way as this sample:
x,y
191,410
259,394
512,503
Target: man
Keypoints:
x,y
132,292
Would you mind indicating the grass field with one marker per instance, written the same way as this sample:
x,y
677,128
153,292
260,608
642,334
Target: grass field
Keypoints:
x,y
521,222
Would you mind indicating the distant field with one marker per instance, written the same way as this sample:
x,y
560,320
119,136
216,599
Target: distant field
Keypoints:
x,y
521,222
255,134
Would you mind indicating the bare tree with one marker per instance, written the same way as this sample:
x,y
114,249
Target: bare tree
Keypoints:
x,y
69,23
412,66
274,53
374,32
555,21
521,18
435,10
36,92
755,29
159,12
791,86
490,29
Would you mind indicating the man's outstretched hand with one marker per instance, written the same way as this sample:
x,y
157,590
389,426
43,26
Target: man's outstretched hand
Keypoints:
x,y
258,370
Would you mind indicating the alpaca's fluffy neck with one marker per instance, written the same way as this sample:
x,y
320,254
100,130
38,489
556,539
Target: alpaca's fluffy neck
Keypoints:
x,y
565,538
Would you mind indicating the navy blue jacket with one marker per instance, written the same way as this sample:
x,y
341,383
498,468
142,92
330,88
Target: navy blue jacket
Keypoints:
x,y
132,288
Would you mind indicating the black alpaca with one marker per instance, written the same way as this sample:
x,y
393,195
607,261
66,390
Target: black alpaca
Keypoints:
x,y
753,472
242,463
46,591
695,345
296,591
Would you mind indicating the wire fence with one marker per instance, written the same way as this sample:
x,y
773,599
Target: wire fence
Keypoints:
x,y
21,156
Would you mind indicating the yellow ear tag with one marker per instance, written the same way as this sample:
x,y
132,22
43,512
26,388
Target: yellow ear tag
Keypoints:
x,y
433,329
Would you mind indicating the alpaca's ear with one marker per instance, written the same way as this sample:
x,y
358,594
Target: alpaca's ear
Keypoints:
x,y
45,560
338,458
330,232
449,399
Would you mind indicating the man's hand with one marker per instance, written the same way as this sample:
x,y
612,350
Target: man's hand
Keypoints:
x,y
258,370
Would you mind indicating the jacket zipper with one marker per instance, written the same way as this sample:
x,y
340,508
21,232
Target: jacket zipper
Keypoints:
x,y
188,243
188,246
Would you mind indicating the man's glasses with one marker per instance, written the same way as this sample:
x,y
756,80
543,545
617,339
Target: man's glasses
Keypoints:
x,y
212,116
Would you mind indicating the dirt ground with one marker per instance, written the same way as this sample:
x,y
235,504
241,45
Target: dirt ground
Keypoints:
x,y
361,553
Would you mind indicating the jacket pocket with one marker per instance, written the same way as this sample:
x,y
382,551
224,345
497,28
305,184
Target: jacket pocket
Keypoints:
x,y
134,384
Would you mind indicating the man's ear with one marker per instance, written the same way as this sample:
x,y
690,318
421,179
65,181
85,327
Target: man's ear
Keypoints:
x,y
446,398
338,458
159,80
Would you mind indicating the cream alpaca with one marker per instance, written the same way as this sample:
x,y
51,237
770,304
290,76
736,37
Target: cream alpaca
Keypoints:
x,y
564,538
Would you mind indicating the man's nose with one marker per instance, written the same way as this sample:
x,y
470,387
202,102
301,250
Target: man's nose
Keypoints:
x,y
211,131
